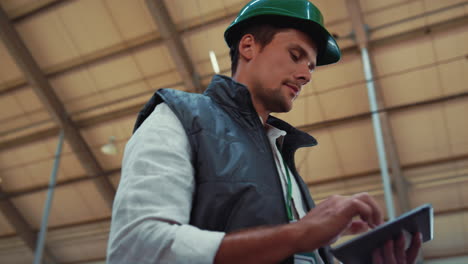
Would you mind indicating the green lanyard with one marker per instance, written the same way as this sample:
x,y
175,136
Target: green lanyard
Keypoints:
x,y
289,192
289,206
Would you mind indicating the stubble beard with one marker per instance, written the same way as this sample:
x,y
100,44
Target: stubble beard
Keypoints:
x,y
275,101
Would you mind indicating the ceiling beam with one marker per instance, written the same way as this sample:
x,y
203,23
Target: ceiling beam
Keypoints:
x,y
133,110
354,176
33,8
51,102
22,228
175,45
362,40
152,39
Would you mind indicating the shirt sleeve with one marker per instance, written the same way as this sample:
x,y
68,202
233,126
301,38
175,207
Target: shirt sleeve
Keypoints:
x,y
151,211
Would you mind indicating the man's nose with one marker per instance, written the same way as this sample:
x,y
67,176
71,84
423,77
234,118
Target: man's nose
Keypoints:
x,y
303,74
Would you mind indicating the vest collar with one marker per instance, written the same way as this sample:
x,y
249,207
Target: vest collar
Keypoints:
x,y
227,92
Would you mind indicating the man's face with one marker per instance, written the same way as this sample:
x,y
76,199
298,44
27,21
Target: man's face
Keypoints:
x,y
280,69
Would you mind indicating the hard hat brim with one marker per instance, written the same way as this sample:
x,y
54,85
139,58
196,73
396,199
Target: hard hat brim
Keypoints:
x,y
328,49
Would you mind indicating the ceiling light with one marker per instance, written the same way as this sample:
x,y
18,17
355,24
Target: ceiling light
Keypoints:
x,y
110,148
214,62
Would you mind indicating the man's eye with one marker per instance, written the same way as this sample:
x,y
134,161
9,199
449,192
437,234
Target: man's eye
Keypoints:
x,y
294,57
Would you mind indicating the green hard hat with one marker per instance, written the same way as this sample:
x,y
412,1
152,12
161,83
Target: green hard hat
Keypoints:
x,y
299,14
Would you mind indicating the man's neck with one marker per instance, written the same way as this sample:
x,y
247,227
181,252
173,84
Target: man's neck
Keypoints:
x,y
259,108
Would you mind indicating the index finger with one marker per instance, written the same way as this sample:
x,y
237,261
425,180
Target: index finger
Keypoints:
x,y
376,211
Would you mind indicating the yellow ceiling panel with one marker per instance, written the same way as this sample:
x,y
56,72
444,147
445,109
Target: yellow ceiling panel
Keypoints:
x,y
47,39
33,152
310,112
37,173
18,7
153,60
433,174
29,130
186,13
296,116
15,179
306,110
90,248
19,254
455,114
402,56
67,197
114,73
320,162
332,10
74,85
131,17
28,100
451,43
9,107
8,69
356,146
183,10
200,43
87,20
420,134
38,116
444,196
31,207
456,10
169,80
392,14
463,192
40,171
371,6
209,9
411,86
131,103
70,167
5,227
348,71
51,145
10,125
453,76
115,179
344,101
314,111
98,135
88,194
84,102
127,92
448,234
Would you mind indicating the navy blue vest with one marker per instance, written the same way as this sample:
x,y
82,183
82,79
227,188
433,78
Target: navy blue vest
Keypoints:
x,y
237,183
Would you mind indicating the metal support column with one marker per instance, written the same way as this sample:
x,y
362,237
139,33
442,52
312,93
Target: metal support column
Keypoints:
x,y
48,204
379,140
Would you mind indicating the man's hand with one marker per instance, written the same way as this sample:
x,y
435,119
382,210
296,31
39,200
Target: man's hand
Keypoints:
x,y
394,252
334,217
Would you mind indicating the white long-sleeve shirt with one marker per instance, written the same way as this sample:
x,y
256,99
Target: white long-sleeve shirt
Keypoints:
x,y
150,217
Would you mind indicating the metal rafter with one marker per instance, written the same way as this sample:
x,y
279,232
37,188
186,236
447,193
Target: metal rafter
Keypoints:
x,y
143,42
362,40
46,94
175,45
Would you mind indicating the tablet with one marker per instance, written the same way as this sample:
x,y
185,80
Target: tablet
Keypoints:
x,y
359,249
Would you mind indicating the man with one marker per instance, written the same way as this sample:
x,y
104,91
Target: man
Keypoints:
x,y
211,178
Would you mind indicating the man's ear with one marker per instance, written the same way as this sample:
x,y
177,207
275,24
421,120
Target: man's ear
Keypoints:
x,y
247,47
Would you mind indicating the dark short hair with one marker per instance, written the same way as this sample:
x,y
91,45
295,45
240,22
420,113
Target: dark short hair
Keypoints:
x,y
263,28
263,33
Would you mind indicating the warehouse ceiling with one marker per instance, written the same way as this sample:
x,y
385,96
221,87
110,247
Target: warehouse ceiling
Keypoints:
x,y
88,66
